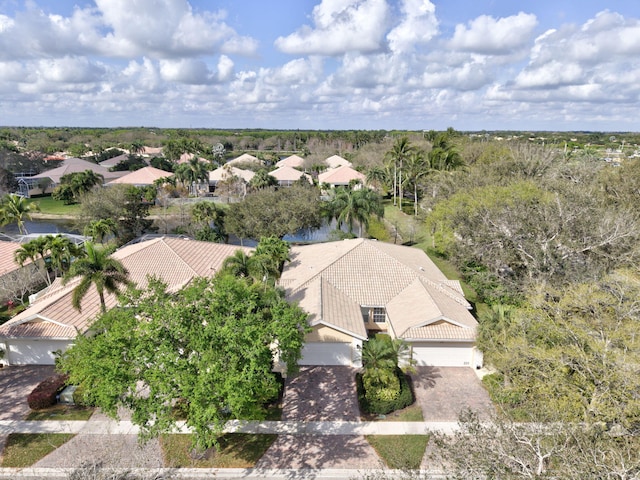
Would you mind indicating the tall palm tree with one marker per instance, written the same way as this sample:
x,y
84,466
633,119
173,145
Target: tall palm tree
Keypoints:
x,y
238,264
417,167
16,209
99,269
399,152
62,251
275,252
379,177
136,147
355,206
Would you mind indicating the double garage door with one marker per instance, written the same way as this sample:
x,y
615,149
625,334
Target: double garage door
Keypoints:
x,y
443,354
34,352
325,353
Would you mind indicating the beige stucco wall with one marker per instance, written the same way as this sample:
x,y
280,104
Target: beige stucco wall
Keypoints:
x,y
322,333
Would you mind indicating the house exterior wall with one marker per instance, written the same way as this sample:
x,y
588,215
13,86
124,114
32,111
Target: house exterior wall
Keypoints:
x,y
443,354
322,333
33,351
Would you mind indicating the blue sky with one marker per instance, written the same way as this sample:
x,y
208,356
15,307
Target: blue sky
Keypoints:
x,y
323,64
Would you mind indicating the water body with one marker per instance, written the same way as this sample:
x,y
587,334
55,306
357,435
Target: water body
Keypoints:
x,y
314,235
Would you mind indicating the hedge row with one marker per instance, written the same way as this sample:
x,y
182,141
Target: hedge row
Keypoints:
x,y
383,407
44,395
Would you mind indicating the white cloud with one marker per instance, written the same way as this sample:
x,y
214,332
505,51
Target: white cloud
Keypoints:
x,y
69,70
488,35
419,25
295,73
340,26
551,75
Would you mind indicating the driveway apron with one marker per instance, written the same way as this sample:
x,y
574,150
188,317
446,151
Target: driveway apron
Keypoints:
x,y
320,393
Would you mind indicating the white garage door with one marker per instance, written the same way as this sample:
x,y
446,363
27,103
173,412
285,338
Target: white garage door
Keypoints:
x,y
326,354
34,352
443,355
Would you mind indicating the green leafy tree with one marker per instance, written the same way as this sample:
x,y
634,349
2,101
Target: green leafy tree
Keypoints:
x,y
275,213
210,349
262,180
96,268
209,221
16,209
36,251
74,185
61,253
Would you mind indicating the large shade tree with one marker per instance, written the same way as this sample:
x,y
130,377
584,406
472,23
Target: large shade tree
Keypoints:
x,y
209,350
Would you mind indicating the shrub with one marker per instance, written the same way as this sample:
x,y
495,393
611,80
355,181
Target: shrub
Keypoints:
x,y
80,397
383,407
378,230
44,395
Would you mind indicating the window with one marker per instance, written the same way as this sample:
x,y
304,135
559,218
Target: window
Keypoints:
x,y
373,314
379,315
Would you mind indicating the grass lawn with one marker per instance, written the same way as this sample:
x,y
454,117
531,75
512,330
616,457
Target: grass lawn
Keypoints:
x,y
237,450
400,451
61,412
25,449
49,206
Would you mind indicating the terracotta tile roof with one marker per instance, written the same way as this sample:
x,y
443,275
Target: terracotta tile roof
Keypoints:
x,y
402,279
7,252
244,158
336,161
293,161
175,260
223,173
341,176
113,161
143,176
442,331
75,165
288,174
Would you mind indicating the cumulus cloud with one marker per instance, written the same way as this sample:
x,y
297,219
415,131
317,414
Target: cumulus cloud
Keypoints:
x,y
340,26
488,35
419,25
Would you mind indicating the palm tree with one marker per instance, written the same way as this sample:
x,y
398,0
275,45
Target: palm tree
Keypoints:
x,y
262,180
398,154
238,264
99,229
62,251
192,172
34,250
443,156
416,167
379,366
136,148
355,206
274,252
99,269
379,177
15,209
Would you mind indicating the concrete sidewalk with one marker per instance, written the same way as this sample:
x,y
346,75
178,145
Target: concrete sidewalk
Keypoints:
x,y
125,427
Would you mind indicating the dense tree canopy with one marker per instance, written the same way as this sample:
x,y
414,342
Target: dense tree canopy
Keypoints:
x,y
275,212
207,352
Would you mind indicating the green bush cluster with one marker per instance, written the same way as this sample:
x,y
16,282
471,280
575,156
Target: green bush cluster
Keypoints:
x,y
383,407
80,397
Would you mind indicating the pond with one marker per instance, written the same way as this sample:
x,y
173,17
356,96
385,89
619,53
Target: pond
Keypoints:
x,y
315,235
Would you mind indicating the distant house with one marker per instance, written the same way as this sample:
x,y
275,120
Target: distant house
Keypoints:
x,y
336,161
354,288
293,161
226,173
142,177
113,161
341,177
51,324
245,158
77,165
287,176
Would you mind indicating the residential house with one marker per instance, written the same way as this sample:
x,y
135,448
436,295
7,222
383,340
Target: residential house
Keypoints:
x,y
235,179
51,324
77,165
341,177
293,161
141,178
245,158
355,288
17,281
286,176
336,161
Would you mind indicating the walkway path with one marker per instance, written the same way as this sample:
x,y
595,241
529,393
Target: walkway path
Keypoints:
x,y
124,427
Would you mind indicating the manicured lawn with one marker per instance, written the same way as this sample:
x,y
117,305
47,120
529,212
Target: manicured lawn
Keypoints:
x,y
412,413
237,450
61,412
400,451
50,206
25,449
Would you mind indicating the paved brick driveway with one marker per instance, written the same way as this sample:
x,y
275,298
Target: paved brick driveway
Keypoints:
x,y
443,392
16,382
320,394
